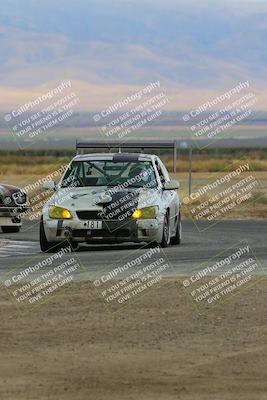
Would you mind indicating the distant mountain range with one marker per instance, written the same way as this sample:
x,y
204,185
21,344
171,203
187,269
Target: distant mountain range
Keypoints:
x,y
109,48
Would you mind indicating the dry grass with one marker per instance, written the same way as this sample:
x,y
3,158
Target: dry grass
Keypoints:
x,y
28,166
256,207
214,164
40,165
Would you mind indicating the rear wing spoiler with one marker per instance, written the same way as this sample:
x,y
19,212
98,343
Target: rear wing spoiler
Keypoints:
x,y
142,145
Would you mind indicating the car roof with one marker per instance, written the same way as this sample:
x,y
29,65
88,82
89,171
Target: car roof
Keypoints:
x,y
118,157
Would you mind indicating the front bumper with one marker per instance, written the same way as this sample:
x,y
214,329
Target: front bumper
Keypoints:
x,y
11,216
112,231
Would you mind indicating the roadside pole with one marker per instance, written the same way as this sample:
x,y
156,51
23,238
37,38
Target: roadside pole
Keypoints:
x,y
175,157
190,168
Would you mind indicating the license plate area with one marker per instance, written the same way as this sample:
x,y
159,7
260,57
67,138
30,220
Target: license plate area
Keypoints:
x,y
94,224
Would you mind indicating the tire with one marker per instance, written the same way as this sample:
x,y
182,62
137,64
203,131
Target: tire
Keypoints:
x,y
46,246
52,247
178,235
166,235
10,229
74,246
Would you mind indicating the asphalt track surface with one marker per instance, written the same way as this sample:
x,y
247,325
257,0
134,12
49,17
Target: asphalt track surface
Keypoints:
x,y
197,247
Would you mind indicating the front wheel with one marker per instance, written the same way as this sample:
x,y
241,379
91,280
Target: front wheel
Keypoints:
x,y
178,235
53,247
10,229
45,245
166,235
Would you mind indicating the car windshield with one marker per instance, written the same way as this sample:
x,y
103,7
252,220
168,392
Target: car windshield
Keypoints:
x,y
126,174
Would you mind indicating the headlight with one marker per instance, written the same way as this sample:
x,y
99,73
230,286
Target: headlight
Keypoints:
x,y
146,213
59,213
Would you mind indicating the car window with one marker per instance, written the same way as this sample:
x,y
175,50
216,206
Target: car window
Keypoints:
x,y
134,174
164,171
161,173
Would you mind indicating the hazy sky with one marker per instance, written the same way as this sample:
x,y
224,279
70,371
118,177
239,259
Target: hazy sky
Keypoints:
x,y
190,46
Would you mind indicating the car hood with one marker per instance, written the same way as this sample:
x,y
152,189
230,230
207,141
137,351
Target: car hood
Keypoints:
x,y
93,198
7,191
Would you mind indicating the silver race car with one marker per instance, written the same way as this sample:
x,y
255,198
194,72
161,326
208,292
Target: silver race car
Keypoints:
x,y
112,198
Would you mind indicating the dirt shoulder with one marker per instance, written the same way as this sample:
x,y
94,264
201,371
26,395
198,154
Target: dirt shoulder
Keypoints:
x,y
158,348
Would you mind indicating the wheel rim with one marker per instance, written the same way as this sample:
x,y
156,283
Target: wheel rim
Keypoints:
x,y
166,230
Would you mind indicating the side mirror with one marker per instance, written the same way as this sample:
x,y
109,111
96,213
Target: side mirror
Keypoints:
x,y
171,185
49,185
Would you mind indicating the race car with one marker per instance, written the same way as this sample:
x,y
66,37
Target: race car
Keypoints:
x,y
112,198
12,204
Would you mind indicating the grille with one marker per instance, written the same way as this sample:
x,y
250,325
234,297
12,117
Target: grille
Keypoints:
x,y
98,214
101,233
95,214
